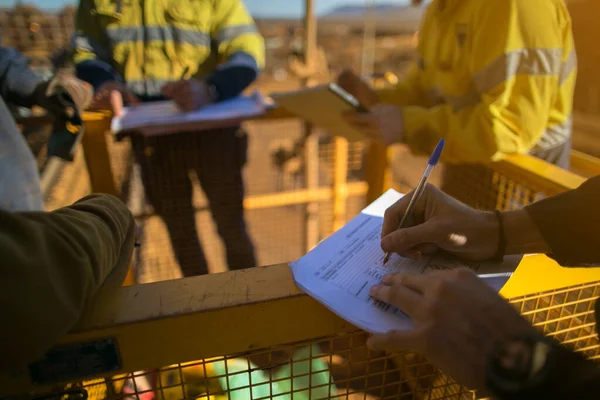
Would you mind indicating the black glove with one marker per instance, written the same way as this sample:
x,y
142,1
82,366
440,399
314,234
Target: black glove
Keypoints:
x,y
65,97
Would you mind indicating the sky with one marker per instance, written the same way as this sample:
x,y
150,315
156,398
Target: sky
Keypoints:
x,y
258,8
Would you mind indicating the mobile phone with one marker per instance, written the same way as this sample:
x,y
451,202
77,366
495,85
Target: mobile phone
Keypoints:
x,y
347,97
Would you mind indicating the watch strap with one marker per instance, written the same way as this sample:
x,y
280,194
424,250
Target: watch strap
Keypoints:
x,y
505,383
562,375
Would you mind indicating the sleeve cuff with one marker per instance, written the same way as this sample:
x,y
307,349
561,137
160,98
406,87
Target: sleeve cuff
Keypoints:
x,y
96,72
232,77
29,81
417,135
568,223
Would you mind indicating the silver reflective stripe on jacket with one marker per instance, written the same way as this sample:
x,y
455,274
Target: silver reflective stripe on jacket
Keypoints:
x,y
519,62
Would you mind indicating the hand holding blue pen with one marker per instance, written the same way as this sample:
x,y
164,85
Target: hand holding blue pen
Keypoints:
x,y
433,160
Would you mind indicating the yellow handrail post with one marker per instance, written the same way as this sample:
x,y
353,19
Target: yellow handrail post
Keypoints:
x,y
340,183
97,160
96,154
376,171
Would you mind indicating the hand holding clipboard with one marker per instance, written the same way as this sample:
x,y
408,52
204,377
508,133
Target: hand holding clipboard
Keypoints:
x,y
326,107
358,88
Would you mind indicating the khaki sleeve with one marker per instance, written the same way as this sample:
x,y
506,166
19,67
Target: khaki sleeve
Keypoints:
x,y
53,264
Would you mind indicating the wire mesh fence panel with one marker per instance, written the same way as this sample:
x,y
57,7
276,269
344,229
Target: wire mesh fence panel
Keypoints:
x,y
278,233
354,205
275,160
481,187
186,192
566,315
342,366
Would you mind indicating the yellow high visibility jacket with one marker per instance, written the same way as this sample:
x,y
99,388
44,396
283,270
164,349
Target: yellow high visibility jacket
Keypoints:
x,y
151,42
493,77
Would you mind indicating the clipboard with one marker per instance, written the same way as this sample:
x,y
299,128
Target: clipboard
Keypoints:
x,y
163,117
323,106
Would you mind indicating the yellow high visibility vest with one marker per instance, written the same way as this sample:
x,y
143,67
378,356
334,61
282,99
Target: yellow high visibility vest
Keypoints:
x,y
151,42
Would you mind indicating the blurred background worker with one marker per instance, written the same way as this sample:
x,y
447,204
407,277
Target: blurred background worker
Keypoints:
x,y
486,344
195,53
19,86
493,77
53,265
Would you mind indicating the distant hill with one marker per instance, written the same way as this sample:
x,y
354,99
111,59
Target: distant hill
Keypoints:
x,y
387,15
356,10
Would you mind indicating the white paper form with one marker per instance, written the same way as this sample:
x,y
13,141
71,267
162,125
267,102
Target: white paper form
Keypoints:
x,y
340,271
147,116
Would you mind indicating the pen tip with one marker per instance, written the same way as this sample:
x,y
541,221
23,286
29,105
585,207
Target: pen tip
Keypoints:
x,y
386,258
437,153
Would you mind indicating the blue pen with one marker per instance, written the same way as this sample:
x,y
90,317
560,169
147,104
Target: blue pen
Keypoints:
x,y
433,160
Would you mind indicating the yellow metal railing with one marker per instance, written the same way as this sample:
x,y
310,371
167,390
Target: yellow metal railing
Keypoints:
x,y
258,319
253,334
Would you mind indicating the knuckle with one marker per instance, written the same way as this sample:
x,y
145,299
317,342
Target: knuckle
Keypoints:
x,y
427,332
430,188
439,290
389,213
401,237
392,296
428,308
395,241
462,274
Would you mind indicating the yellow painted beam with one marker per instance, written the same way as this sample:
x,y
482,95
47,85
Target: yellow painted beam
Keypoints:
x,y
301,196
190,319
95,151
340,182
584,163
537,174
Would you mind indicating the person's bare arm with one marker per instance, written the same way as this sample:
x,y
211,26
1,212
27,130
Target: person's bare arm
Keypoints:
x,y
443,223
522,234
569,224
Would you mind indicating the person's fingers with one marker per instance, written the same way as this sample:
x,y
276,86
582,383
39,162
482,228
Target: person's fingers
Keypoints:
x,y
402,240
398,295
349,81
418,283
362,120
393,215
427,248
413,254
187,105
371,134
130,97
355,85
180,103
167,89
172,89
394,341
116,102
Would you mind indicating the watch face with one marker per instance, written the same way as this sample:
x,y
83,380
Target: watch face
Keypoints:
x,y
513,360
517,362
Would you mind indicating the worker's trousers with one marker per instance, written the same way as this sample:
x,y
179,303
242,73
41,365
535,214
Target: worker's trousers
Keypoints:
x,y
217,157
